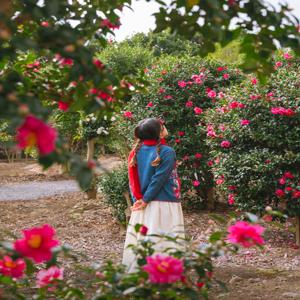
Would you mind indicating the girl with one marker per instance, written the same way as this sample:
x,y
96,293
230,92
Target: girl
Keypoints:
x,y
154,187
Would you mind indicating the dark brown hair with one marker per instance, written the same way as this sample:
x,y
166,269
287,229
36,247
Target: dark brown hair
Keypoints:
x,y
147,129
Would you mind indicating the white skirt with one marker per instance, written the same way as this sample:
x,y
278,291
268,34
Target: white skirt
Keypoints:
x,y
159,217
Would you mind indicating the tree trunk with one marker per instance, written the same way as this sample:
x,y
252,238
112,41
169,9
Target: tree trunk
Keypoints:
x,y
211,199
90,149
298,230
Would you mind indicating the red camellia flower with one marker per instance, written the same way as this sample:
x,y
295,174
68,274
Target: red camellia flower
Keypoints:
x,y
185,158
226,76
182,84
128,114
108,24
181,133
254,81
168,97
244,122
64,61
210,163
49,277
164,269
282,111
278,64
282,181
37,243
98,63
196,183
177,141
288,189
232,188
231,199
161,90
236,104
279,193
198,110
45,24
143,230
246,234
189,103
288,175
220,69
198,155
200,285
212,94
34,132
64,106
225,144
296,194
287,55
150,104
12,268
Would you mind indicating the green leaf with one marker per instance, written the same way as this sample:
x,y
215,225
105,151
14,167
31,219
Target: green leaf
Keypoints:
x,y
216,236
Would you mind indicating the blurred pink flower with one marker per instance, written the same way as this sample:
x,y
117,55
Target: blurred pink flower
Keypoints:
x,y
64,106
34,132
244,122
12,268
182,84
226,76
37,243
164,269
198,155
198,110
225,144
246,234
49,277
128,114
212,94
150,104
279,193
231,199
196,183
189,104
287,55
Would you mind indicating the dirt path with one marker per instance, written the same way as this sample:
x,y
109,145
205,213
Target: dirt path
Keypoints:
x,y
36,190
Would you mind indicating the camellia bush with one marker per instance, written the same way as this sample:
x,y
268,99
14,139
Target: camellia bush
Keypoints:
x,y
180,92
31,266
254,135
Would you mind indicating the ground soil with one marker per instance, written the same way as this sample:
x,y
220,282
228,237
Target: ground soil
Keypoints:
x,y
87,225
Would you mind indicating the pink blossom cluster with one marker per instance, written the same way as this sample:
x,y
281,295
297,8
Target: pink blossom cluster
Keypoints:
x,y
288,112
287,181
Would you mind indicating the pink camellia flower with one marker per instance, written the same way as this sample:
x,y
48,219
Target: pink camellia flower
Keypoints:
x,y
198,110
288,175
161,90
128,114
232,188
220,69
210,163
236,104
296,194
108,24
150,104
212,94
34,132
220,180
64,106
282,181
177,141
222,127
181,133
37,243
288,189
35,64
231,199
282,111
93,91
12,268
64,61
200,285
164,269
49,277
98,63
278,64
244,122
246,234
182,84
45,24
287,55
189,103
225,144
279,193
198,155
270,94
254,81
221,95
196,183
226,76
143,230
168,97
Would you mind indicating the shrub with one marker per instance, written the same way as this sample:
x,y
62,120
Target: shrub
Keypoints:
x,y
113,185
260,165
181,91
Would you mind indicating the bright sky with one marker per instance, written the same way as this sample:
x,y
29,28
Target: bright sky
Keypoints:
x,y
140,19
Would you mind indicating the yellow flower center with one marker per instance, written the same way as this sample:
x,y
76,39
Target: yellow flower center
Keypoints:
x,y
31,139
10,264
35,241
163,267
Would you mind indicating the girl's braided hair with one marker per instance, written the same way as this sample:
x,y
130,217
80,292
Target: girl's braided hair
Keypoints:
x,y
147,129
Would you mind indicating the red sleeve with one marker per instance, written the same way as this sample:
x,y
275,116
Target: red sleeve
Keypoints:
x,y
134,181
